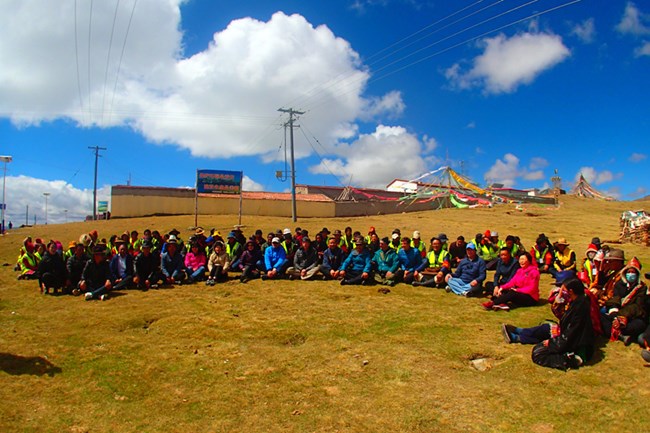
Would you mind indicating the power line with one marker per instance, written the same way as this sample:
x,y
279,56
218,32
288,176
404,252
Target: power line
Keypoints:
x,y
90,26
108,57
119,64
76,55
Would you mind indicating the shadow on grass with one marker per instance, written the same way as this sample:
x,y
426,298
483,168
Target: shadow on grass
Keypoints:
x,y
599,353
34,365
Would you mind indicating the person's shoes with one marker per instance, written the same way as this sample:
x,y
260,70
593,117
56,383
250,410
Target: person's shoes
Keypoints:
x,y
103,298
626,339
506,335
292,277
88,296
76,292
416,284
343,282
265,277
645,354
447,289
573,361
502,307
364,282
245,280
154,286
390,283
488,305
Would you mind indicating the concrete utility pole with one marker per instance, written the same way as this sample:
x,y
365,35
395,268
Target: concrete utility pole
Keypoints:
x,y
96,149
5,160
46,194
292,113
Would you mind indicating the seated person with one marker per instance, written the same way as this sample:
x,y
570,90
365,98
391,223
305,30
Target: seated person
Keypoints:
x,y
589,270
625,315
305,262
28,262
417,244
96,277
373,245
320,245
333,258
522,290
411,263
395,242
543,254
507,265
250,262
565,257
489,249
468,278
438,266
513,245
171,262
457,251
275,258
195,263
121,266
75,267
357,266
290,248
234,250
385,263
218,264
51,270
563,346
146,266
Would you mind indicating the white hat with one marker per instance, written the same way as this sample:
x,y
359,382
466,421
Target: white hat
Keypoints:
x,y
275,239
416,235
395,236
494,234
286,231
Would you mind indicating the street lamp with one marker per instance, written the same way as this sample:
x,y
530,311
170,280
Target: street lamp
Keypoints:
x,y
46,194
5,160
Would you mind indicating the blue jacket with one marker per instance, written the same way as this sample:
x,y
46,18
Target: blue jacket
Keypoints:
x,y
357,261
332,260
274,257
469,270
411,260
170,264
386,261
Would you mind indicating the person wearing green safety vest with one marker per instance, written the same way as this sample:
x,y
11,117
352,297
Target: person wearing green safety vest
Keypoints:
x,y
28,263
512,246
234,250
134,243
371,231
417,244
396,242
589,271
437,268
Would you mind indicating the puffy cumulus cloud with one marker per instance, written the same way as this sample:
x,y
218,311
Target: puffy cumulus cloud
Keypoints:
x,y
634,22
249,184
507,63
585,31
373,160
219,102
24,191
508,170
643,50
597,177
637,157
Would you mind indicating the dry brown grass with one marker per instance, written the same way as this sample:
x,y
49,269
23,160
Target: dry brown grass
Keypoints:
x,y
305,356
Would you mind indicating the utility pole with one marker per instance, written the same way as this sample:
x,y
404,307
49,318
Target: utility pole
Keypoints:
x,y
96,149
292,113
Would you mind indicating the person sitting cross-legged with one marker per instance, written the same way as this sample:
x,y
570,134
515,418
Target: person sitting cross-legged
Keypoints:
x,y
75,267
469,275
147,267
438,266
275,258
333,258
522,290
96,276
195,263
121,266
250,262
385,263
305,262
411,262
218,264
357,266
507,266
171,262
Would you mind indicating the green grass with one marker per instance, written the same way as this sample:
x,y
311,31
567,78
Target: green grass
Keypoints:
x,y
304,356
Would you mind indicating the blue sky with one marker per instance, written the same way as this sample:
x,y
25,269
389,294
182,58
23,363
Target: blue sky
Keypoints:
x,y
504,91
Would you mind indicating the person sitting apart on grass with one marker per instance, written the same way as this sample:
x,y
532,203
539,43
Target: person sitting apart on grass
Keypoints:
x,y
357,266
275,259
522,290
75,266
589,270
28,263
543,254
417,244
563,346
565,257
385,264
305,263
457,250
121,267
373,245
218,264
195,263
51,270
171,263
507,265
333,258
438,266
96,277
469,275
626,313
251,262
411,263
146,266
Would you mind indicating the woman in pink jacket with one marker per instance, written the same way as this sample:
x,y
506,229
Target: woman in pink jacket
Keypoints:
x,y
195,261
521,291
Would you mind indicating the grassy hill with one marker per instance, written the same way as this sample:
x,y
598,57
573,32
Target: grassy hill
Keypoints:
x,y
305,356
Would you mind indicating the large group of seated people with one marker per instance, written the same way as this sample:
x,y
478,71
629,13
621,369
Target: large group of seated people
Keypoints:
x,y
602,295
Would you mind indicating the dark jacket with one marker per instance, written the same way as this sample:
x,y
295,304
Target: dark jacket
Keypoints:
x,y
52,264
146,266
504,273
305,259
95,275
576,330
250,258
75,267
333,259
170,264
635,308
469,270
128,270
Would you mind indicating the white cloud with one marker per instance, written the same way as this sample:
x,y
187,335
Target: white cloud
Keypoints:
x,y
596,177
634,22
508,63
639,192
23,192
585,31
375,159
508,170
219,102
471,125
643,50
637,157
249,184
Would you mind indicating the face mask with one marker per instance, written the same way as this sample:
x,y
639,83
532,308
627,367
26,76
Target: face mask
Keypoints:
x,y
631,277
